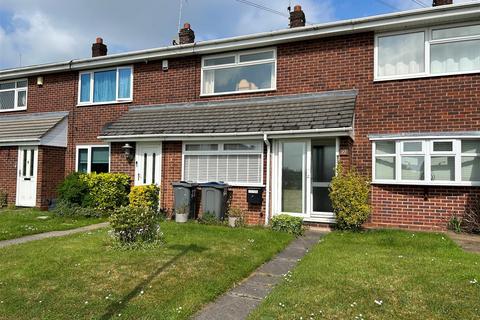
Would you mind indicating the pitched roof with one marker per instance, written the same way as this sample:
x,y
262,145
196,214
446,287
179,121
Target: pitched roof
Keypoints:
x,y
28,128
330,110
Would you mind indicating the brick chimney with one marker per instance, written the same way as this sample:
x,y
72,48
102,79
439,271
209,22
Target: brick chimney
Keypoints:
x,y
186,34
437,3
98,48
297,17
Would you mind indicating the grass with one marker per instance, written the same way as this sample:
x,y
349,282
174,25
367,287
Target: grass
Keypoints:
x,y
83,277
15,223
414,275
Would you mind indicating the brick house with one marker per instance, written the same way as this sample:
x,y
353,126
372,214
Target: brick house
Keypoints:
x,y
395,96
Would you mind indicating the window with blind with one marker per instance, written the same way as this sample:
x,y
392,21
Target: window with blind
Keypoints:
x,y
239,72
93,159
427,162
13,95
230,162
442,50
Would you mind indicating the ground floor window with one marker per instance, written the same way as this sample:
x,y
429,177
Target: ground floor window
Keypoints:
x,y
427,161
236,163
93,159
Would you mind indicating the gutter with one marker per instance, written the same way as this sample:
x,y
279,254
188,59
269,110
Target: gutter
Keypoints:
x,y
398,20
345,131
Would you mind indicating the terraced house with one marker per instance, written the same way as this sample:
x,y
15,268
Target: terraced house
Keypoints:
x,y
396,96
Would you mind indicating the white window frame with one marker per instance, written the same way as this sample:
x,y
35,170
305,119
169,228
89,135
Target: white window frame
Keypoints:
x,y
239,64
16,90
428,153
428,42
92,73
222,152
89,155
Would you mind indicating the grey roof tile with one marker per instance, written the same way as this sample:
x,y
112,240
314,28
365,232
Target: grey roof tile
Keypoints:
x,y
295,112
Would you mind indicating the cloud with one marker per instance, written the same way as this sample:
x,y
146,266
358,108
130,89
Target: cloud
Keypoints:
x,y
52,30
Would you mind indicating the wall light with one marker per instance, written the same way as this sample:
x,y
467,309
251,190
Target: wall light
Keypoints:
x,y
39,81
128,152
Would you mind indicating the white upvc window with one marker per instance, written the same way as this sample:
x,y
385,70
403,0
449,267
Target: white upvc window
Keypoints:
x,y
93,158
13,95
238,163
432,161
246,71
436,51
106,86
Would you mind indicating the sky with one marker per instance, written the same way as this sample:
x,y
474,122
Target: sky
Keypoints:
x,y
36,32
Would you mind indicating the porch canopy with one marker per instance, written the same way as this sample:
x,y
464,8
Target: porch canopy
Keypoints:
x,y
328,113
46,128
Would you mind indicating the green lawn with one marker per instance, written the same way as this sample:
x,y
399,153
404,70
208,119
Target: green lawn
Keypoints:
x,y
411,275
82,277
22,222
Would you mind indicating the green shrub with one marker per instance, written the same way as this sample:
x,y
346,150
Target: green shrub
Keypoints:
x,y
455,224
3,199
210,219
349,193
238,213
132,225
288,224
74,189
107,191
66,209
145,196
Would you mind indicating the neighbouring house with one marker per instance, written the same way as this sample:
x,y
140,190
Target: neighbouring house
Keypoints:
x,y
396,96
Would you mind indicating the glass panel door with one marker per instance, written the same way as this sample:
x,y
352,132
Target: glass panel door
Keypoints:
x,y
293,170
323,170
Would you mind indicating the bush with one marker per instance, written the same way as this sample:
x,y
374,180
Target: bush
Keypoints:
x,y
288,224
349,193
132,225
455,224
66,209
237,213
74,189
145,196
107,191
210,219
3,199
471,219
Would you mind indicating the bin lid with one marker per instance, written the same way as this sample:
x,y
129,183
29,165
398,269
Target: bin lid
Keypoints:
x,y
217,185
184,184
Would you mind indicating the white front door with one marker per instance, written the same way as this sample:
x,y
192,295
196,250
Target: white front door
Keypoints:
x,y
27,176
304,169
148,160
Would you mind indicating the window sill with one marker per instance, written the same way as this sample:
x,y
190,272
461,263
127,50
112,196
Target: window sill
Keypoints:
x,y
423,76
103,103
13,110
236,92
428,184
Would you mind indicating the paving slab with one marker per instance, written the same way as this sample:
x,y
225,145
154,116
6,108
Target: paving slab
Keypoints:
x,y
244,298
468,242
52,234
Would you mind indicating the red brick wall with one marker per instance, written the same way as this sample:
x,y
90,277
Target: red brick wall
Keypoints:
x,y
8,172
51,168
344,62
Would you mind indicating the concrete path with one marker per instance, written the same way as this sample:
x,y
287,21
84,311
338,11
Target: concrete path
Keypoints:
x,y
244,298
52,234
467,242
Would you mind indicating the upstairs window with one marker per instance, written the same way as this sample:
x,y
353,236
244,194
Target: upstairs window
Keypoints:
x,y
106,86
236,163
427,162
13,95
239,72
428,52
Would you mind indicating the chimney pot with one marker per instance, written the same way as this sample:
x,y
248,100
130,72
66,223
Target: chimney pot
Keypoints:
x,y
186,34
297,17
437,3
99,48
